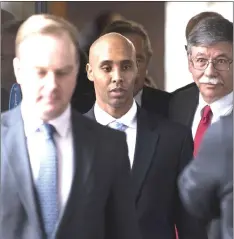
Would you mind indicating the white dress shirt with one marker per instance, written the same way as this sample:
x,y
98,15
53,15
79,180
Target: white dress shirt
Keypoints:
x,y
129,119
64,145
221,107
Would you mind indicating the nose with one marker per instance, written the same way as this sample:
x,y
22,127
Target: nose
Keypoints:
x,y
117,76
50,81
210,70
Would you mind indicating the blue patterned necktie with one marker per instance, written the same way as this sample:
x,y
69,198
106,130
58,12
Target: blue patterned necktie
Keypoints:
x,y
118,126
47,180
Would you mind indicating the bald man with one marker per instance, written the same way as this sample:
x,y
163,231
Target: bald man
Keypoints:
x,y
158,150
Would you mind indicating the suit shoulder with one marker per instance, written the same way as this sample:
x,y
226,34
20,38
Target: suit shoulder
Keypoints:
x,y
175,127
184,89
156,92
167,125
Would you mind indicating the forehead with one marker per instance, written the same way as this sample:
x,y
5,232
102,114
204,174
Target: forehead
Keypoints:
x,y
215,50
115,51
49,50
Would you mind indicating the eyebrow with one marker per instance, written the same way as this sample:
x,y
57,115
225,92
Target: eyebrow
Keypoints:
x,y
219,55
109,62
66,68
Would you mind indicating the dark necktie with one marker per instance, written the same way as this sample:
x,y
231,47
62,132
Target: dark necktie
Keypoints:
x,y
202,127
47,180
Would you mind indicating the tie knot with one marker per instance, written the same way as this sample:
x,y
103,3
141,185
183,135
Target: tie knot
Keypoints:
x,y
48,130
206,115
118,126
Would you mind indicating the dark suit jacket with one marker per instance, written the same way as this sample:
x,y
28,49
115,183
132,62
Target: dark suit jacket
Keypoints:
x,y
206,185
183,104
83,99
155,101
163,149
100,204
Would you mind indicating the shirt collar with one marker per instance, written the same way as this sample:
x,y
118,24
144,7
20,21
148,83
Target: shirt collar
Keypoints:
x,y
129,119
138,97
31,122
218,106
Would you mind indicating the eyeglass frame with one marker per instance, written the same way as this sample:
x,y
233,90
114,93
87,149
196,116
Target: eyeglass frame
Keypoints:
x,y
208,63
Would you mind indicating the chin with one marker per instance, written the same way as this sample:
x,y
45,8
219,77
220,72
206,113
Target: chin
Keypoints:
x,y
50,112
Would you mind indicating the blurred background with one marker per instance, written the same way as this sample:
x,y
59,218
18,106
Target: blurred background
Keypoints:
x,y
164,21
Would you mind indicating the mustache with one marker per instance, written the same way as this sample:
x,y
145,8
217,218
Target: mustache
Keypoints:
x,y
212,81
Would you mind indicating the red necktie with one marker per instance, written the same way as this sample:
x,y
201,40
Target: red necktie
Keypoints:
x,y
202,127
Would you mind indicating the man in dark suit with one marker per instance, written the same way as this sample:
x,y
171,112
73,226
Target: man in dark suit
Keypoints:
x,y
158,149
206,185
151,99
61,174
209,47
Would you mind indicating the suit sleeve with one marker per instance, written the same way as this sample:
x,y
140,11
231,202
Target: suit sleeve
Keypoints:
x,y
198,183
188,226
121,219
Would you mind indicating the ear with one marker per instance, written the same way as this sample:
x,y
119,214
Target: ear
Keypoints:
x,y
190,66
16,66
89,72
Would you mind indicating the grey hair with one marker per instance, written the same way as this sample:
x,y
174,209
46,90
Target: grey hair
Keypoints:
x,y
210,31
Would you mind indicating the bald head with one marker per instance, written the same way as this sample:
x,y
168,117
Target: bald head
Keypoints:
x,y
113,69
109,42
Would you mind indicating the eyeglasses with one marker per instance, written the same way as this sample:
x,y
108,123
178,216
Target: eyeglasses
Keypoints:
x,y
219,64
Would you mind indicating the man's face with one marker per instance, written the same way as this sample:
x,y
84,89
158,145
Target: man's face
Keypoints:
x,y
142,60
213,83
46,69
113,70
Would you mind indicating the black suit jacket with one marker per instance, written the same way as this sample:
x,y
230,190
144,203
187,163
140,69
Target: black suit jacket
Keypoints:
x,y
206,185
183,104
100,204
155,101
163,149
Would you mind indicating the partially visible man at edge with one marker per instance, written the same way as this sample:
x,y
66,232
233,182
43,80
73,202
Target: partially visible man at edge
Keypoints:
x,y
209,47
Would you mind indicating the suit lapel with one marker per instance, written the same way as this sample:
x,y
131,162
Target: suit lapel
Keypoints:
x,y
192,103
187,105
20,165
146,143
84,145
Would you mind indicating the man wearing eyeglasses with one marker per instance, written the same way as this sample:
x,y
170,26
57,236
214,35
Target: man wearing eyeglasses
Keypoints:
x,y
210,50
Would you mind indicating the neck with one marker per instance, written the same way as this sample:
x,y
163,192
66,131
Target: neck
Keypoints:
x,y
116,112
210,100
